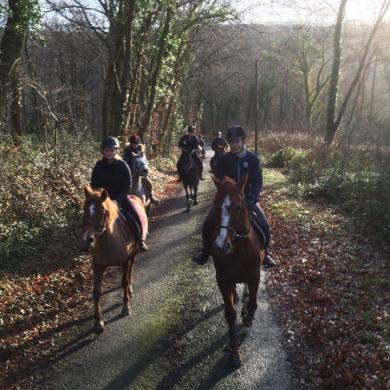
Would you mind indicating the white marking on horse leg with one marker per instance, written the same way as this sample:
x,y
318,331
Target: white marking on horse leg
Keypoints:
x,y
225,219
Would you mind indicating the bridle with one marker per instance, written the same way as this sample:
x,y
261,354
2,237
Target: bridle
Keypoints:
x,y
235,234
101,228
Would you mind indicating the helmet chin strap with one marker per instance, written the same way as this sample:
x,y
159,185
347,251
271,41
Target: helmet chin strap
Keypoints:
x,y
242,152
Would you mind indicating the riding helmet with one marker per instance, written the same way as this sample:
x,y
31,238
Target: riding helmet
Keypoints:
x,y
235,132
110,142
135,139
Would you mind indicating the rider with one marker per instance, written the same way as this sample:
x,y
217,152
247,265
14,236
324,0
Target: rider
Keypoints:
x,y
235,164
113,174
219,145
201,145
135,149
189,143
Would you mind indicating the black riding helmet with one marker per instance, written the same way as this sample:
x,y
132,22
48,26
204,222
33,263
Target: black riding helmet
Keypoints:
x,y
235,132
110,142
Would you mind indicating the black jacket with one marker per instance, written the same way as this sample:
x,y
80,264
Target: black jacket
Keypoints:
x,y
189,144
236,167
219,144
115,177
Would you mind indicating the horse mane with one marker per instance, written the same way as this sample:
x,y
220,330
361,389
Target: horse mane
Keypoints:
x,y
113,212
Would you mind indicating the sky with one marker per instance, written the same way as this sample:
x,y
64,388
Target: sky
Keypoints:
x,y
313,11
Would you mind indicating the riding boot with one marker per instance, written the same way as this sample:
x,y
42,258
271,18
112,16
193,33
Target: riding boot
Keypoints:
x,y
203,255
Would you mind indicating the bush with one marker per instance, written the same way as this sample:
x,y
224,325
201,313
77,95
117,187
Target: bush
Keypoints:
x,y
41,196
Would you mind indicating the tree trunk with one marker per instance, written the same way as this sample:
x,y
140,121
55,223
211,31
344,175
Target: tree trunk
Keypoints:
x,y
335,76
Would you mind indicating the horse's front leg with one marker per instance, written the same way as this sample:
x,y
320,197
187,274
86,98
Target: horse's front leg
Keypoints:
x,y
195,195
97,292
253,287
125,285
187,198
231,315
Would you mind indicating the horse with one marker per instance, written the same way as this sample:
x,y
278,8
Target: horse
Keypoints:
x,y
111,243
219,152
140,186
189,174
238,253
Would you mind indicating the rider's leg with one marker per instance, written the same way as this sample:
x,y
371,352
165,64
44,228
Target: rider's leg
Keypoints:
x,y
207,233
129,209
149,188
269,261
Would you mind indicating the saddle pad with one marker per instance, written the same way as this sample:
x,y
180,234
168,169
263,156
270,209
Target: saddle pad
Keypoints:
x,y
140,210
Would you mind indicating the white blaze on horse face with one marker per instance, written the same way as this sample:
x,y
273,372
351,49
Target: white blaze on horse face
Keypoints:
x,y
86,237
92,209
225,219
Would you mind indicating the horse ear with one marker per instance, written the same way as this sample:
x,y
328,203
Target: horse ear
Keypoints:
x,y
241,183
87,191
103,195
216,181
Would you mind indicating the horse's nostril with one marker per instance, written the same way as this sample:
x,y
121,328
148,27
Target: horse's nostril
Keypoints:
x,y
227,247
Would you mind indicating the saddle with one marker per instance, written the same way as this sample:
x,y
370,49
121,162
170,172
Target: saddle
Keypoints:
x,y
255,222
138,222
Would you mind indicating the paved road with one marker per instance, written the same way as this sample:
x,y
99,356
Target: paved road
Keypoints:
x,y
176,333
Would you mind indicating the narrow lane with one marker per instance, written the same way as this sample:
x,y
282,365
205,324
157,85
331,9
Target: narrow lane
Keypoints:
x,y
175,335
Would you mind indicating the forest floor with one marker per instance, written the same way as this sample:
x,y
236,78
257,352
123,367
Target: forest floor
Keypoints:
x,y
330,293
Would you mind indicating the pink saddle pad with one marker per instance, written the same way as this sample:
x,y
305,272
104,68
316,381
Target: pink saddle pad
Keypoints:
x,y
138,207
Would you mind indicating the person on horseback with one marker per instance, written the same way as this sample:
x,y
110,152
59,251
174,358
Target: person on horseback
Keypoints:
x,y
219,146
113,174
236,164
189,143
135,149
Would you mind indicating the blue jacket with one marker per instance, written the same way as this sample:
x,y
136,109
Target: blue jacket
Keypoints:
x,y
236,167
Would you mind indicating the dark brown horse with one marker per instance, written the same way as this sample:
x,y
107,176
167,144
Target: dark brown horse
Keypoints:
x,y
189,174
238,254
111,243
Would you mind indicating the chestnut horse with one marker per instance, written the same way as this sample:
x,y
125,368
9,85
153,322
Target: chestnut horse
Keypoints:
x,y
111,243
238,254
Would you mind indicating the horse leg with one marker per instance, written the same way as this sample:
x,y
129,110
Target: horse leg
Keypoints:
x,y
187,198
245,300
97,292
125,285
130,276
195,195
231,315
253,287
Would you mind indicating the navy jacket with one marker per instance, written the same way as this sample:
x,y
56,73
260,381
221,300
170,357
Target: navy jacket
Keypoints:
x,y
188,143
217,143
115,177
128,155
233,166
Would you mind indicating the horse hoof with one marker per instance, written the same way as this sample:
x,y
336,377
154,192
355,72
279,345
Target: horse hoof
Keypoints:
x,y
248,321
236,360
195,202
236,298
244,313
99,327
125,311
131,292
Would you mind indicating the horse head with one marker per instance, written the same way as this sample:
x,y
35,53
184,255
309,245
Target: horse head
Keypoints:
x,y
231,214
99,214
141,166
